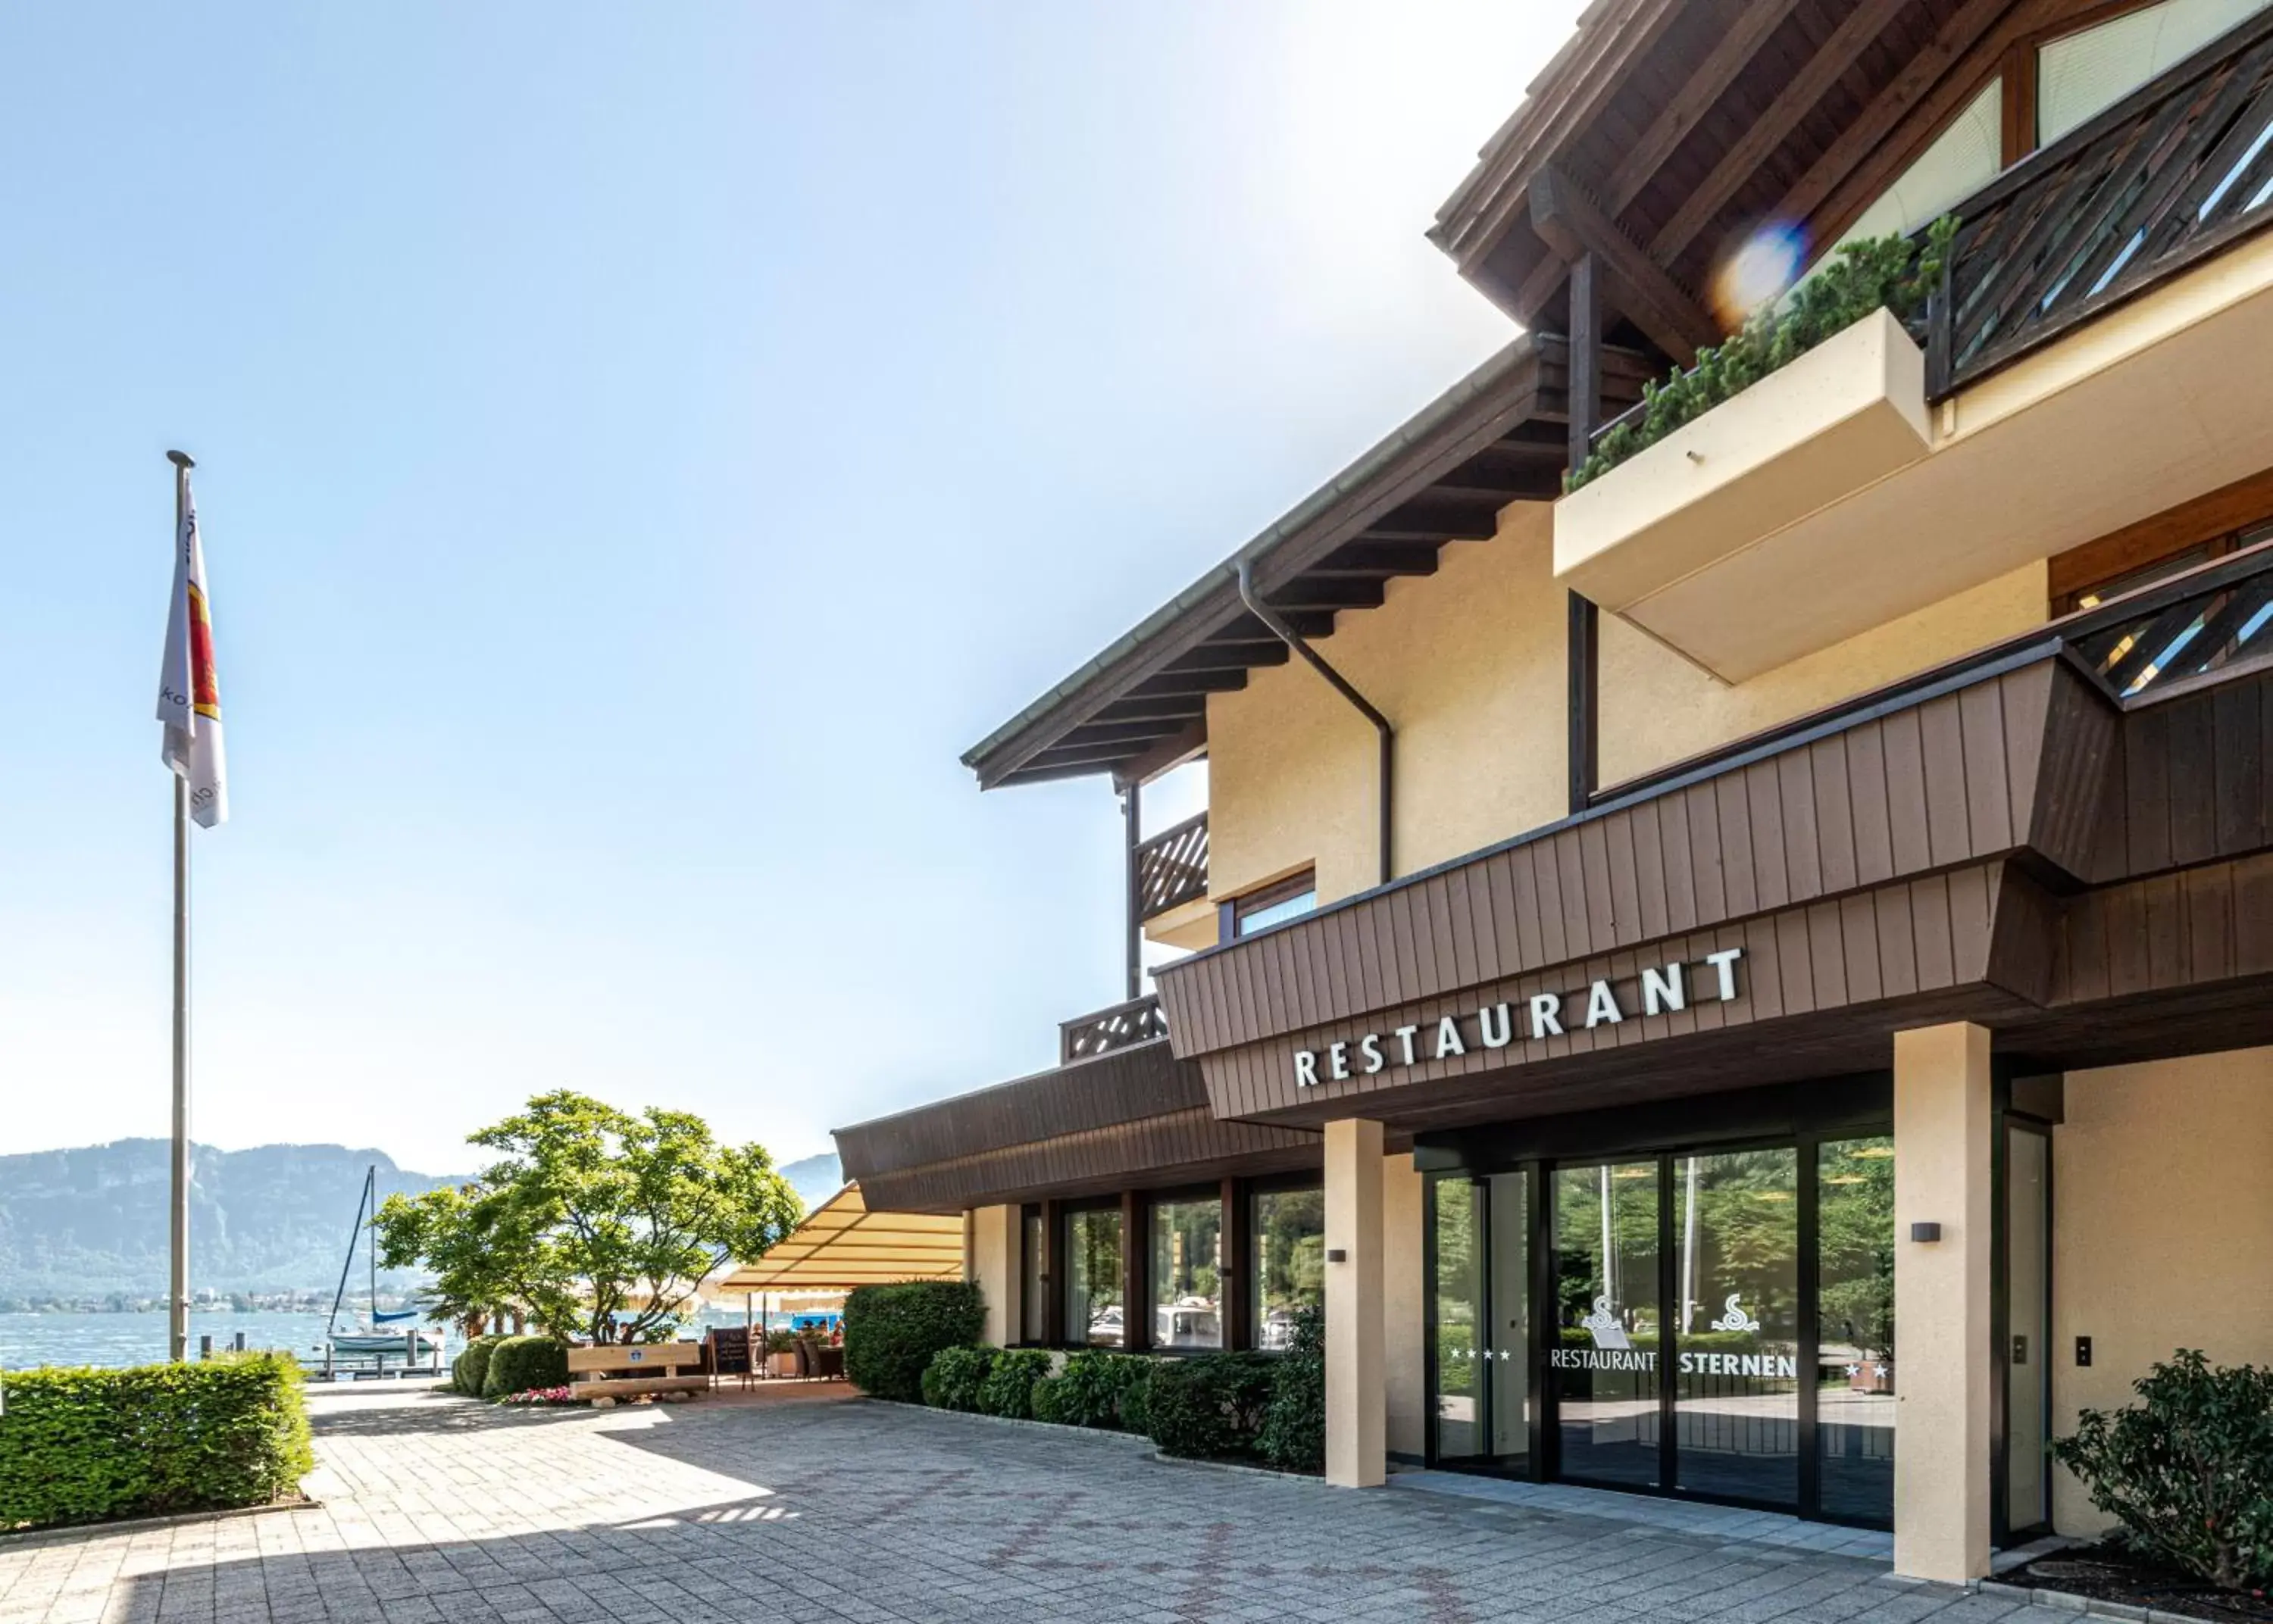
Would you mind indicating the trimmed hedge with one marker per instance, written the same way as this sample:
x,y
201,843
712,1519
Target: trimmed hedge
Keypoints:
x,y
953,1378
78,1446
471,1367
518,1363
1095,1388
1209,1407
892,1332
1009,1389
1293,1436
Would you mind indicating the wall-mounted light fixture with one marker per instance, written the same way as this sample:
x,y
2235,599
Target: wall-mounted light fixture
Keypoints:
x,y
1337,1254
1925,1232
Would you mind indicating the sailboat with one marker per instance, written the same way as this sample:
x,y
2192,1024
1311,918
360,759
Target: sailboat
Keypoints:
x,y
413,1342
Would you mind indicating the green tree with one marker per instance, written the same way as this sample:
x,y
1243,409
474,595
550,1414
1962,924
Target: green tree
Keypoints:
x,y
592,1219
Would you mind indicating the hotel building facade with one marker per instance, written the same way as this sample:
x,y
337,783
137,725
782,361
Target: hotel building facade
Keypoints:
x,y
1752,979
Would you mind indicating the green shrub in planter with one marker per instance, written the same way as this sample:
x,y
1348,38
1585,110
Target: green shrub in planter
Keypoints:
x,y
1047,1400
891,1332
1208,1407
76,1446
519,1363
1294,1437
1130,1377
2189,1471
1009,1389
1080,1394
471,1367
952,1380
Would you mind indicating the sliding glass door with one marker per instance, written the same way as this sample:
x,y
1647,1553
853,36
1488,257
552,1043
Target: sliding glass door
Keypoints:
x,y
1481,1334
1735,1332
1602,1374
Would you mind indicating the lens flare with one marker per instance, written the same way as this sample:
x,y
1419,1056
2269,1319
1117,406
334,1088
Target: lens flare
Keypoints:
x,y
1762,270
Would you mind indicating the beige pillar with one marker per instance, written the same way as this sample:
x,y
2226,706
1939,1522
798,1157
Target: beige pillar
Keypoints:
x,y
1943,1123
992,1242
1357,1398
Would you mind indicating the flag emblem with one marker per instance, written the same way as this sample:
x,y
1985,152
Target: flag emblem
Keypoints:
x,y
188,686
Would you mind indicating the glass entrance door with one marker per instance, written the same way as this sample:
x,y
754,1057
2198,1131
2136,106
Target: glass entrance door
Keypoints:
x,y
1602,1374
1736,1339
1481,1336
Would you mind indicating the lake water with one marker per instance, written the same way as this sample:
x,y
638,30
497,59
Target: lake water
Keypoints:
x,y
30,1339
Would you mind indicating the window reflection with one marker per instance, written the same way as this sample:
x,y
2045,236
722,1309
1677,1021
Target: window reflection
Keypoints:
x,y
1603,1366
1736,1326
1854,1374
1188,1272
1290,1261
1092,1289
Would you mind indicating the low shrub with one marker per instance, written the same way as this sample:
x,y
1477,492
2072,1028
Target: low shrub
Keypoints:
x,y
1895,274
471,1367
1209,1407
2189,1471
1095,1388
1131,1376
76,1446
953,1378
519,1363
1009,1389
1294,1435
892,1332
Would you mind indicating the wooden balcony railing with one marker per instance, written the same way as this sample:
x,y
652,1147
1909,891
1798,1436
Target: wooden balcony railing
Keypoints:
x,y
1171,869
2193,629
2174,172
1138,1020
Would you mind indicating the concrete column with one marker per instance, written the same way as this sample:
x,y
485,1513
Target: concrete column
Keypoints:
x,y
1356,1395
992,1251
1944,1121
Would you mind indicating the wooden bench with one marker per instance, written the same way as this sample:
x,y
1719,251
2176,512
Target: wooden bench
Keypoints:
x,y
633,1370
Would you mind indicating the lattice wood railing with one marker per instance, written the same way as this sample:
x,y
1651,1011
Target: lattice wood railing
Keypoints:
x,y
1172,867
2196,627
1138,1020
2174,172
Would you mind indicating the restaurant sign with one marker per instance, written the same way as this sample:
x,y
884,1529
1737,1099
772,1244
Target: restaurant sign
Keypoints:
x,y
1663,989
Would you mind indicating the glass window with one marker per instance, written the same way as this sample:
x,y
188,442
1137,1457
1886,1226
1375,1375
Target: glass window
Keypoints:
x,y
2084,72
1962,159
1092,1270
1188,1272
1456,1201
1602,1368
1736,1219
1287,899
1482,1329
1854,1374
1290,1261
1032,1294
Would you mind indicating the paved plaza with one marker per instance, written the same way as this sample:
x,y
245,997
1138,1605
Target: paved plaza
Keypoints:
x,y
807,1507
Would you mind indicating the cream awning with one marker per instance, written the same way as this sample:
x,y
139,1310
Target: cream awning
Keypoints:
x,y
842,1244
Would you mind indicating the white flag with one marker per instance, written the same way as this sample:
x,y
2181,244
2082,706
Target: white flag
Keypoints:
x,y
188,686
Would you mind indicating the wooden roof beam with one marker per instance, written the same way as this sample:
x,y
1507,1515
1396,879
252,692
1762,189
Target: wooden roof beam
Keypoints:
x,y
1758,20
1184,745
1376,558
1834,56
1573,224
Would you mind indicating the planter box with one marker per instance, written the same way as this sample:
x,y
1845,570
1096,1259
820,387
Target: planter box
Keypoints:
x,y
1844,415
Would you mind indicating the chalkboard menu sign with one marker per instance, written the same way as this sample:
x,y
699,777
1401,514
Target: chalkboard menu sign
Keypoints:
x,y
730,1351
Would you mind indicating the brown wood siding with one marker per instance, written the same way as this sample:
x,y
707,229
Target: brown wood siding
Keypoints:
x,y
1180,1147
1128,1085
1954,780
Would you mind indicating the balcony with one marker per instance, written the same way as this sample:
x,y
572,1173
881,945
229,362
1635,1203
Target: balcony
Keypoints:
x,y
1121,1026
2093,357
1169,886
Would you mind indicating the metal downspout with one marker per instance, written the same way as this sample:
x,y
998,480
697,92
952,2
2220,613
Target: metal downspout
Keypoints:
x,y
1387,734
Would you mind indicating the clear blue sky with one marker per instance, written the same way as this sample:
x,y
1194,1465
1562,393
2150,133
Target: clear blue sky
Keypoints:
x,y
640,449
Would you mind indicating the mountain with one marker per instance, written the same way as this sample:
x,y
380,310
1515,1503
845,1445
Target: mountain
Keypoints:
x,y
816,1179
76,1223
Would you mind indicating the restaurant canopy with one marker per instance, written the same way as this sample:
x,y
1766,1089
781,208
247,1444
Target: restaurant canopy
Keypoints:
x,y
842,1244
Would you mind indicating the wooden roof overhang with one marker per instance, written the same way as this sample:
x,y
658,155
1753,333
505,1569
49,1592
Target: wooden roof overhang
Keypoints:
x,y
2006,842
1667,132
1499,436
1132,1117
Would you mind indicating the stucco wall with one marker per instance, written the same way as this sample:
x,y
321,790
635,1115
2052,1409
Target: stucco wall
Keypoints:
x,y
991,1258
1469,665
2162,1231
1404,1375
1657,707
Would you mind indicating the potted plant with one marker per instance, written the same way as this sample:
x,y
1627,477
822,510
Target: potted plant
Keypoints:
x,y
781,1352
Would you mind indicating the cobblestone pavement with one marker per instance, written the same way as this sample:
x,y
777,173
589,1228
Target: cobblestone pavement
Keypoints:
x,y
436,1510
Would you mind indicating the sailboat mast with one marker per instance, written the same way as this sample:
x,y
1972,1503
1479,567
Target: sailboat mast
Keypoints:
x,y
370,1205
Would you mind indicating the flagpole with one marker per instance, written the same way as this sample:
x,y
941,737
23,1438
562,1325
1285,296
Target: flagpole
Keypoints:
x,y
177,1305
